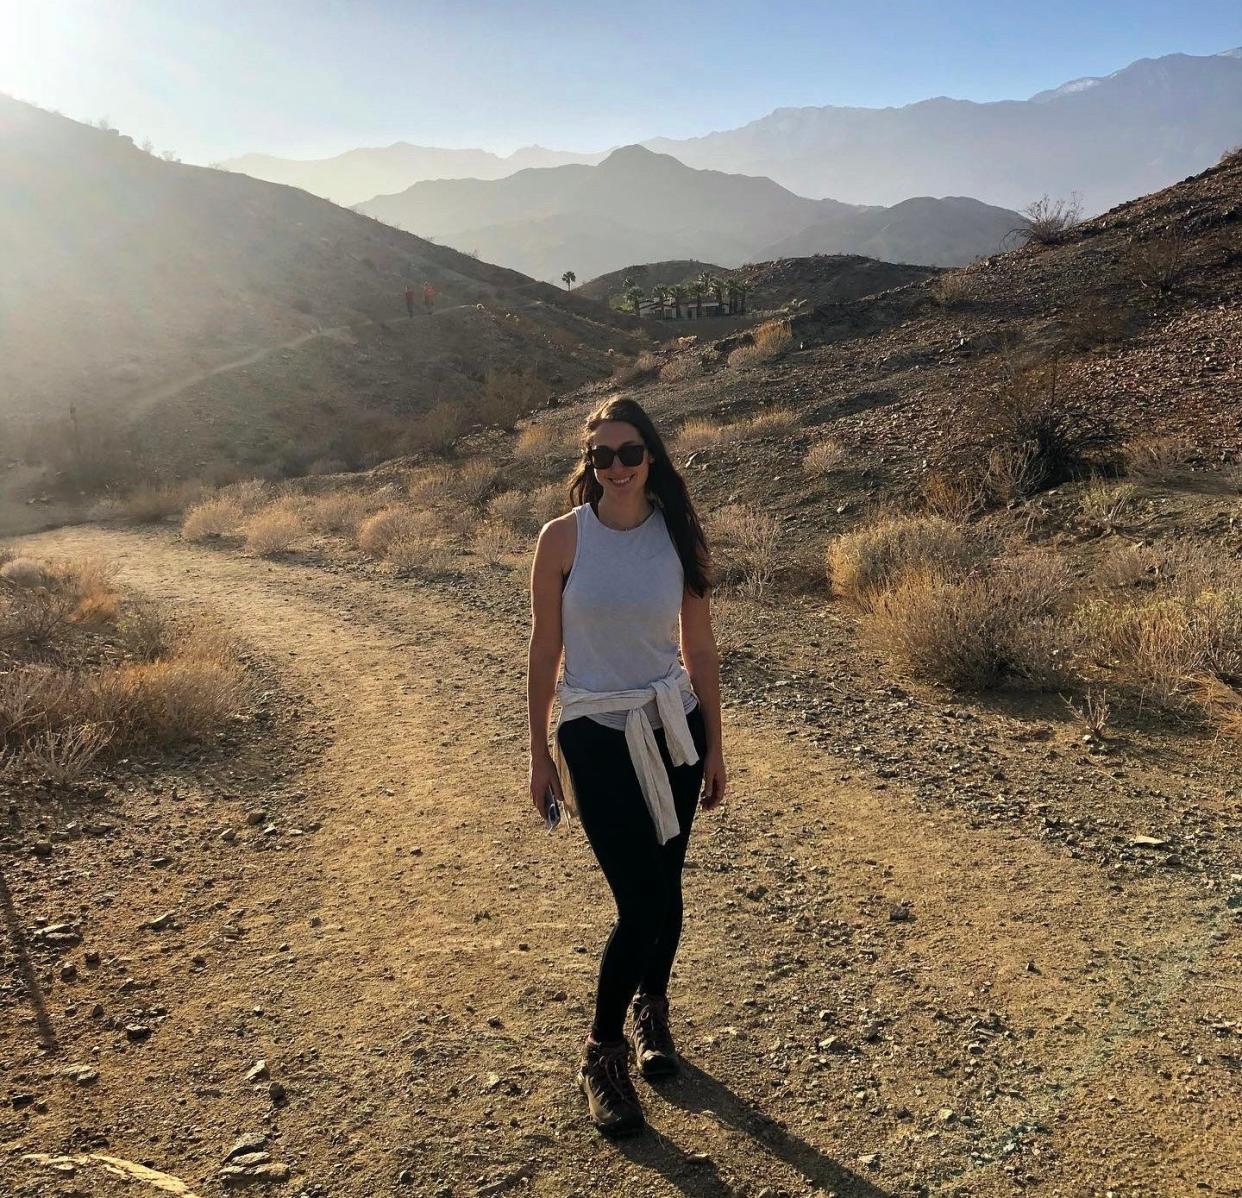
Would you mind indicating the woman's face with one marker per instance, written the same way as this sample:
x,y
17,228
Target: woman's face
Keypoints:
x,y
619,479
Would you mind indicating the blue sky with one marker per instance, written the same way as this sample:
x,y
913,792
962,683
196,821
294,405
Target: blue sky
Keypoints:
x,y
309,78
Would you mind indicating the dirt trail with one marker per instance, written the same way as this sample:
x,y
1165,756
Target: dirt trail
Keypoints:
x,y
416,966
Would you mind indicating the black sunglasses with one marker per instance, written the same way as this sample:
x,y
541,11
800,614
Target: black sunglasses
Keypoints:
x,y
600,456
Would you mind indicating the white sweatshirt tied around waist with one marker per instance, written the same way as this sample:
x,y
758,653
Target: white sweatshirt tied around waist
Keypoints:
x,y
639,738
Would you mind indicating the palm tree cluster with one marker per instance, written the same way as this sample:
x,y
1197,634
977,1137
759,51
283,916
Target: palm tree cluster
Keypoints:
x,y
684,295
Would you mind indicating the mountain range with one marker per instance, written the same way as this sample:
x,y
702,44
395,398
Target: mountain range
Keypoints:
x,y
638,206
1107,138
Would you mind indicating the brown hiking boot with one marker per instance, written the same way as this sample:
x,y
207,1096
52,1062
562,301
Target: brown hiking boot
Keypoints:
x,y
604,1077
652,1038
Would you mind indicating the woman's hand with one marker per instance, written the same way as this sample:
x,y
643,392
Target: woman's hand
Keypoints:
x,y
714,779
543,776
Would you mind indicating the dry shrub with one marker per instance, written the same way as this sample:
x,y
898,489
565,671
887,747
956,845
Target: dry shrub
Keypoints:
x,y
32,697
250,493
472,483
824,457
697,433
1157,263
431,486
438,428
549,502
953,289
379,533
767,340
746,548
683,367
974,633
955,496
493,541
1157,461
514,509
1048,221
418,552
154,504
641,370
63,756
339,513
1165,645
171,701
863,563
1011,473
534,443
218,517
273,530
1105,503
1126,566
769,423
1030,416
508,395
23,572
146,630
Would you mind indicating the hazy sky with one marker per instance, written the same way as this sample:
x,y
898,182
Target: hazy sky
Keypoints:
x,y
310,78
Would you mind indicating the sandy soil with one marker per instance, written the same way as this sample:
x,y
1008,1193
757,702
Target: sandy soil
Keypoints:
x,y
877,994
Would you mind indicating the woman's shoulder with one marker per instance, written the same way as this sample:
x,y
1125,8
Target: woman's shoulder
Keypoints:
x,y
560,538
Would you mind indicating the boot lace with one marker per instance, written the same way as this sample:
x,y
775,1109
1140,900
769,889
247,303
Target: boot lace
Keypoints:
x,y
652,1018
612,1070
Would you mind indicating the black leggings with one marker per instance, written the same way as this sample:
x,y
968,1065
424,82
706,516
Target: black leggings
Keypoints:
x,y
645,876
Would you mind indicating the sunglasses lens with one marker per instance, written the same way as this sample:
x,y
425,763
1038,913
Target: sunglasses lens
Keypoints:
x,y
601,456
631,455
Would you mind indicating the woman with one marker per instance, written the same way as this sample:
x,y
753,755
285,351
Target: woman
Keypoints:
x,y
638,738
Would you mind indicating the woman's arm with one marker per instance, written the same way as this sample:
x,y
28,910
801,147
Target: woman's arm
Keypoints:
x,y
702,661
544,658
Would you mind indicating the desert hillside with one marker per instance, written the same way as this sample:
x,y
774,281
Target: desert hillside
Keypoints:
x,y
637,206
130,281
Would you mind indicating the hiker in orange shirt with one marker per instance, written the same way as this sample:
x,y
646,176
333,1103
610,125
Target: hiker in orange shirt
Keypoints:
x,y
429,297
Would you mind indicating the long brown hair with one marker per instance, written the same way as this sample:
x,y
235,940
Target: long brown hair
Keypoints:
x,y
665,488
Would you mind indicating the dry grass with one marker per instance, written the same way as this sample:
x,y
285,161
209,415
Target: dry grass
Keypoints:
x,y
1011,473
769,423
273,530
746,548
641,370
452,487
864,563
41,601
953,289
549,502
171,701
824,457
1105,503
954,496
379,533
680,368
514,509
157,503
1126,566
493,541
1157,461
697,433
535,443
340,513
973,633
213,518
767,340
23,572
1048,221
63,757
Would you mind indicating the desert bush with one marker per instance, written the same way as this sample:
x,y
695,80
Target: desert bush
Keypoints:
x,y
339,512
824,457
63,756
379,533
514,509
767,340
641,370
549,502
493,540
32,697
156,503
974,633
953,289
249,493
746,548
272,530
1105,503
1166,646
413,551
767,423
23,572
221,516
1157,263
170,701
534,443
508,395
1048,221
954,495
1126,566
1157,461
1011,472
1029,415
698,432
145,630
863,563
684,366
450,487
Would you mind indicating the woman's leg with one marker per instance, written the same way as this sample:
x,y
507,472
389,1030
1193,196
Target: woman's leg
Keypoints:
x,y
618,825
686,782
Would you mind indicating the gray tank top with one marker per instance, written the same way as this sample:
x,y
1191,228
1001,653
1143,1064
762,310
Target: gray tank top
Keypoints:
x,y
619,610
